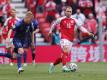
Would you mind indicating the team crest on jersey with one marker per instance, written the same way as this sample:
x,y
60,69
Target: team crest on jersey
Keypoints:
x,y
72,22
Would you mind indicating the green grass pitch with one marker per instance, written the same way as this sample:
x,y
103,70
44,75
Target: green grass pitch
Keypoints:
x,y
86,71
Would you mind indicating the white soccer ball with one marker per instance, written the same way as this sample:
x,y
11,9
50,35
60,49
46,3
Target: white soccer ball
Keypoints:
x,y
73,67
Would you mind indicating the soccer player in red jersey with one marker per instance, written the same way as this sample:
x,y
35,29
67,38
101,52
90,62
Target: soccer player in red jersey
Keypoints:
x,y
68,26
10,21
7,26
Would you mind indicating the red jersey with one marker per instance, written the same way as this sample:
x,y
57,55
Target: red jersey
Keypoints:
x,y
67,28
8,24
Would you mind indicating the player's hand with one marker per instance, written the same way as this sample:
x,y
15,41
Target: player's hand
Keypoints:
x,y
32,45
49,35
91,34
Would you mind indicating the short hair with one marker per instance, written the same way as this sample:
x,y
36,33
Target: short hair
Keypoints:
x,y
29,13
68,7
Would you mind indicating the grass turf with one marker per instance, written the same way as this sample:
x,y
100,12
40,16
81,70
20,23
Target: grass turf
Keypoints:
x,y
86,71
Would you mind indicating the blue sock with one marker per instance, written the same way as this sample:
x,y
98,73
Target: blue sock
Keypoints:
x,y
19,60
25,57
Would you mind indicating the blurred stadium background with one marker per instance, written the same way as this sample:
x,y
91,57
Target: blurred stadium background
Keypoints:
x,y
92,13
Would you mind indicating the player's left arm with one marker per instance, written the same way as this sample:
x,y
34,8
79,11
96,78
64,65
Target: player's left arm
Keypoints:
x,y
85,31
33,34
36,30
80,26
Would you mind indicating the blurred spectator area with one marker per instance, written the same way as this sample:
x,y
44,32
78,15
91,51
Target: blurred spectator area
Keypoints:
x,y
4,10
46,11
40,13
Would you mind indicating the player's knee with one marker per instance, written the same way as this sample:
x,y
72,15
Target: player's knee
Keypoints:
x,y
65,50
20,50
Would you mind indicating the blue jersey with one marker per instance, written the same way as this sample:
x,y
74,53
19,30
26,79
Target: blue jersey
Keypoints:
x,y
23,30
23,33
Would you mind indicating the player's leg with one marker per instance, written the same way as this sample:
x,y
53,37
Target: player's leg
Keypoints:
x,y
66,46
19,59
26,45
19,49
25,57
52,65
8,55
33,54
10,50
64,59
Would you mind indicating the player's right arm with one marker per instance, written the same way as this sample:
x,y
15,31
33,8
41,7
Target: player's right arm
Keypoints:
x,y
54,24
80,26
14,27
6,22
9,33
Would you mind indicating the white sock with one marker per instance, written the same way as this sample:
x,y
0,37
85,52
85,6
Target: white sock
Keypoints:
x,y
51,64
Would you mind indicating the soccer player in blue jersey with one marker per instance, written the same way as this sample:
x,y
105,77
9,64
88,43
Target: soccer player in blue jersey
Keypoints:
x,y
23,39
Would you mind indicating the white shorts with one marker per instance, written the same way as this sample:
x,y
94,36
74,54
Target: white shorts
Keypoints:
x,y
66,43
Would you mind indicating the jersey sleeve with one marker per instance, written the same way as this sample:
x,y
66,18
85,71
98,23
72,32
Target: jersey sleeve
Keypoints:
x,y
78,23
55,23
6,22
18,23
35,24
80,26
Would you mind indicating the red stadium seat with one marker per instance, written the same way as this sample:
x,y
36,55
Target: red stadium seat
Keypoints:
x,y
45,27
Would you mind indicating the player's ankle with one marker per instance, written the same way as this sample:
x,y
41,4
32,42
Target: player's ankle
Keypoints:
x,y
52,64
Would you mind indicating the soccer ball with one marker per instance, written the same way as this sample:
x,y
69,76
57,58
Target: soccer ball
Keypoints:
x,y
73,67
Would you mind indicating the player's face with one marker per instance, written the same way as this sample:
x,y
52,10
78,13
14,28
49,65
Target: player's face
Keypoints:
x,y
13,13
78,11
68,12
28,18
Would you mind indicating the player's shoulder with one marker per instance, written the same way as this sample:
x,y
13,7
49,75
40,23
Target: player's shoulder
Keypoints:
x,y
78,22
34,21
73,18
61,18
18,19
9,18
19,22
58,20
